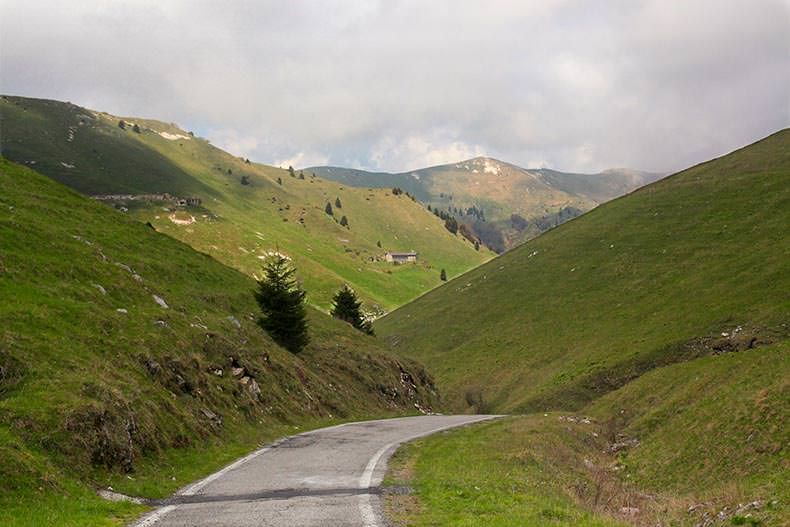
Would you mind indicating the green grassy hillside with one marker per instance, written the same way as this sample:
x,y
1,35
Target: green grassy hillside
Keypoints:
x,y
129,359
649,279
238,223
664,318
516,204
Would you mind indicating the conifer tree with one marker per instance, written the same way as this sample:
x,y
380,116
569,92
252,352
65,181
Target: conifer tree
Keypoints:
x,y
338,205
328,209
443,276
291,170
344,221
282,304
346,306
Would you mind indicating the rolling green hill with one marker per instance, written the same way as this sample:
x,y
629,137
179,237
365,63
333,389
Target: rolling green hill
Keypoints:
x,y
244,212
503,204
664,317
129,359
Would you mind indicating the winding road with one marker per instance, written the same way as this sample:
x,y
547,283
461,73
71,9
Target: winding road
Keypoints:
x,y
328,477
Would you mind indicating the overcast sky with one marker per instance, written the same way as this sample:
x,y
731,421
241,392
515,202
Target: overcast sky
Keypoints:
x,y
394,85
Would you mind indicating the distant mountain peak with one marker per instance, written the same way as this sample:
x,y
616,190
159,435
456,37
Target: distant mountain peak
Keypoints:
x,y
482,164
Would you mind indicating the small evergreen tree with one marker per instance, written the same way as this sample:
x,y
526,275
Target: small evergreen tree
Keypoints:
x,y
378,244
328,209
346,306
136,128
344,221
245,180
279,181
282,303
477,245
301,175
291,170
443,276
122,124
338,205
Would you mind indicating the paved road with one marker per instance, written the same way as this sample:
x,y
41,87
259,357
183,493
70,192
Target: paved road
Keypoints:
x,y
326,478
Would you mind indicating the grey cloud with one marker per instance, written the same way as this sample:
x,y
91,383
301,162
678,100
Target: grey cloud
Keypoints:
x,y
388,85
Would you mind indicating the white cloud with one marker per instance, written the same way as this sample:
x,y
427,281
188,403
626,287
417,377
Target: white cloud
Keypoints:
x,y
395,85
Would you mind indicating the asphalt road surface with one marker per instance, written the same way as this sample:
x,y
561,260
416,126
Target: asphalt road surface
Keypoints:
x,y
328,477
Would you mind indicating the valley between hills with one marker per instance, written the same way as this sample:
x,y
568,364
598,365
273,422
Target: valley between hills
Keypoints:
x,y
641,350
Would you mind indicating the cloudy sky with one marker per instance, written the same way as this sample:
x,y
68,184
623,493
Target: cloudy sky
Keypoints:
x,y
394,85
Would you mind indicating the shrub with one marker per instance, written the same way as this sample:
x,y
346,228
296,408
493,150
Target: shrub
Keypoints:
x,y
346,306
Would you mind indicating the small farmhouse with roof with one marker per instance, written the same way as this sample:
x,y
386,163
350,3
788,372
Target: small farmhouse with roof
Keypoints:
x,y
401,257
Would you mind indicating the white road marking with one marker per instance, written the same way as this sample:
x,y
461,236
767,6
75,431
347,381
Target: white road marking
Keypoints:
x,y
369,517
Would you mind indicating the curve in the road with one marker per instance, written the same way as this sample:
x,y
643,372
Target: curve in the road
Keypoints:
x,y
328,477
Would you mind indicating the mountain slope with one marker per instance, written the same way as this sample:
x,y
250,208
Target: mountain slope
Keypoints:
x,y
516,203
128,358
632,282
244,212
663,317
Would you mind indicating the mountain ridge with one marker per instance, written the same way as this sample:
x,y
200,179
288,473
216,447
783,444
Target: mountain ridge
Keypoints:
x,y
246,209
499,202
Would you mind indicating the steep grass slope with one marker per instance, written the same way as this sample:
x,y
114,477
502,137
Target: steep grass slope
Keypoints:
x,y
661,320
510,204
123,350
649,279
244,211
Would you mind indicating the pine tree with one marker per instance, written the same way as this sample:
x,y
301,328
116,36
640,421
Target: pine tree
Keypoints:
x,y
338,205
344,221
279,181
346,306
301,175
443,276
328,209
282,303
378,244
291,170
477,245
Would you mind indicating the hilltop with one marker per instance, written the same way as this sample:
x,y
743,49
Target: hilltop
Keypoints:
x,y
502,203
660,321
243,210
129,359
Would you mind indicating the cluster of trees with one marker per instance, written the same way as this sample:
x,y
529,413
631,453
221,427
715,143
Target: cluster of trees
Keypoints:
x,y
328,209
283,309
450,223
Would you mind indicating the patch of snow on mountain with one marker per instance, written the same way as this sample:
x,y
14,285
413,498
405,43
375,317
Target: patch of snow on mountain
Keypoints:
x,y
173,137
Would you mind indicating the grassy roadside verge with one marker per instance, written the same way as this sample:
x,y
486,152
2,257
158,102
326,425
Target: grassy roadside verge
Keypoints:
x,y
698,443
492,474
